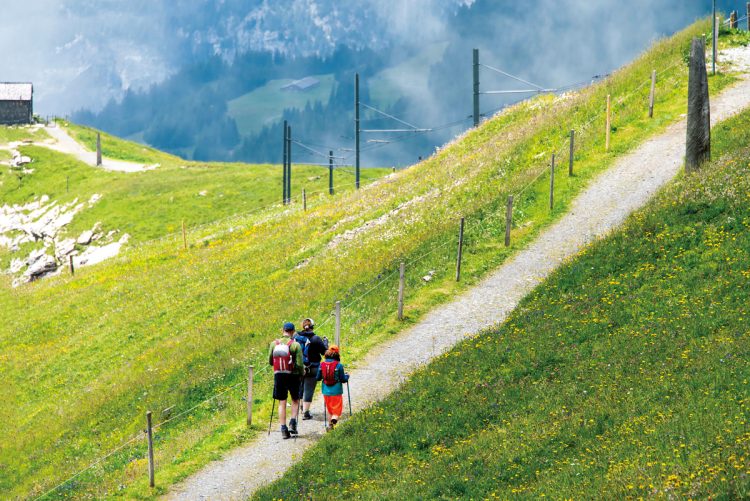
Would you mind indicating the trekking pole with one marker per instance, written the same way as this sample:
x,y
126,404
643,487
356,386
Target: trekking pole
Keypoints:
x,y
349,397
270,421
325,416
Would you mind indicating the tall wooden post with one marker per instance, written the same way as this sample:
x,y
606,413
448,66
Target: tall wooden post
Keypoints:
x,y
609,122
747,15
283,178
330,172
338,324
572,151
460,249
401,280
476,87
698,144
304,200
508,220
733,20
652,95
289,165
70,263
250,395
150,438
357,130
184,236
714,37
552,183
98,149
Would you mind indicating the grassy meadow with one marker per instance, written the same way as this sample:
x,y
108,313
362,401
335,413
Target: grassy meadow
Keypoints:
x,y
163,329
624,375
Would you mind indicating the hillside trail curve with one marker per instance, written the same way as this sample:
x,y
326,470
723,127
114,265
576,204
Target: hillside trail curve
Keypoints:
x,y
599,209
63,143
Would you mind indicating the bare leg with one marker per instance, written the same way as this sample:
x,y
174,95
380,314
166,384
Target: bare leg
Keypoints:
x,y
295,409
282,412
306,406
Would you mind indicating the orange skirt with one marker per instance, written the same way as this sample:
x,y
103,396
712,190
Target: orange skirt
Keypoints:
x,y
334,404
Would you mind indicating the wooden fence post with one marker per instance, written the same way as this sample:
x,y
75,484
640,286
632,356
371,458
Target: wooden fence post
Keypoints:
x,y
552,183
184,235
401,280
338,324
572,151
250,396
747,15
733,20
609,121
460,249
304,200
150,436
652,95
98,149
70,264
508,220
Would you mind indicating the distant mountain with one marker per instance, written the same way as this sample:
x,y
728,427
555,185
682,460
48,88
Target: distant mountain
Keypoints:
x,y
171,68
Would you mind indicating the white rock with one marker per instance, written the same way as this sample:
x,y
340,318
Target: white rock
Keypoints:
x,y
65,247
85,237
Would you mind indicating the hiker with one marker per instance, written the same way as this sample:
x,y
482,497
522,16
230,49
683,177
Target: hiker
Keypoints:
x,y
313,349
331,372
285,355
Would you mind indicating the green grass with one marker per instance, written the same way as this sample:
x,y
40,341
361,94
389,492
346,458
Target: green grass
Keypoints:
x,y
161,327
150,204
263,106
624,373
10,134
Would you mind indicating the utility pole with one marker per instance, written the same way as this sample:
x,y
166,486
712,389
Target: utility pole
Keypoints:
x,y
356,130
289,164
283,179
476,87
714,38
330,172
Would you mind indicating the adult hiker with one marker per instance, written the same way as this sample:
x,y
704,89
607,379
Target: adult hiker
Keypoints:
x,y
331,372
313,349
285,355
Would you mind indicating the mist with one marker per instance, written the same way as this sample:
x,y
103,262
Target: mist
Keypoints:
x,y
80,54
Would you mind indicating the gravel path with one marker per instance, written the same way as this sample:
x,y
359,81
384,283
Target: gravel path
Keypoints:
x,y
66,144
604,205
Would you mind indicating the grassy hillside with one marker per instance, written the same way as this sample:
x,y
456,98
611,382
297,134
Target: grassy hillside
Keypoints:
x,y
625,373
162,328
149,205
265,105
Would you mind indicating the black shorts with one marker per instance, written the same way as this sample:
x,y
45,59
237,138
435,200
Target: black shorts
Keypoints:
x,y
284,384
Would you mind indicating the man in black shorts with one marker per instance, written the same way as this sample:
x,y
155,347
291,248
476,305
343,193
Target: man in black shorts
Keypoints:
x,y
285,355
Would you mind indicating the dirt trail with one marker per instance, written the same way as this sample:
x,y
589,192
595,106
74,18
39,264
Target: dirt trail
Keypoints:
x,y
604,205
66,144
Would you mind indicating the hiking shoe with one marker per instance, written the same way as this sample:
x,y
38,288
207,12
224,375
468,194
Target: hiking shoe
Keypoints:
x,y
285,433
293,427
333,423
307,416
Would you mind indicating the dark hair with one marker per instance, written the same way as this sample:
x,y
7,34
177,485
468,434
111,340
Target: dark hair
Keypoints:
x,y
333,353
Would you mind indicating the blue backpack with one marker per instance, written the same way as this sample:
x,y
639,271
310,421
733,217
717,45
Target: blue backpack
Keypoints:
x,y
304,343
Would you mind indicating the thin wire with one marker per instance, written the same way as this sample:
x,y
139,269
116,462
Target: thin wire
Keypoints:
x,y
539,87
98,461
389,116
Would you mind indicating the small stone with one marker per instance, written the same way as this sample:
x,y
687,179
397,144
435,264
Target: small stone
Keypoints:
x,y
85,237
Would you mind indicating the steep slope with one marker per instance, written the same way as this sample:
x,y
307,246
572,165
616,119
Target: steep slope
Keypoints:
x,y
625,373
174,330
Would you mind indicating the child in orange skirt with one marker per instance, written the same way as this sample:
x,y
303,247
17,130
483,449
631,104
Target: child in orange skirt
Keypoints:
x,y
331,372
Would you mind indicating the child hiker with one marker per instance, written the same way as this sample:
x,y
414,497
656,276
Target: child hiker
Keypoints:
x,y
331,372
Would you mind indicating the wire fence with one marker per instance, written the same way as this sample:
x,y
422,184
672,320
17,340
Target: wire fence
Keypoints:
x,y
384,278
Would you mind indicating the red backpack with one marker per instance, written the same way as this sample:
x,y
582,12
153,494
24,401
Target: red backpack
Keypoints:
x,y
283,360
328,370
